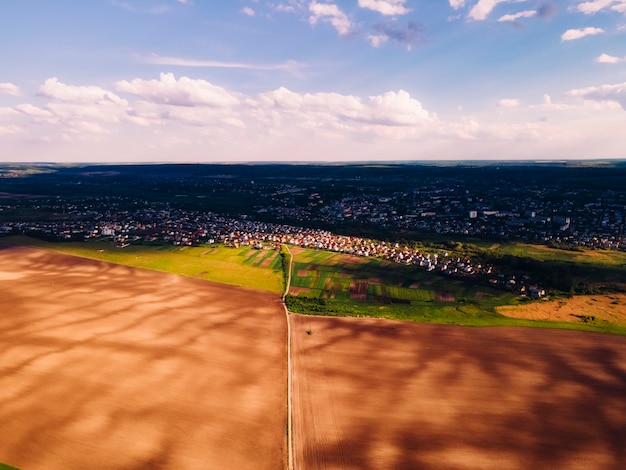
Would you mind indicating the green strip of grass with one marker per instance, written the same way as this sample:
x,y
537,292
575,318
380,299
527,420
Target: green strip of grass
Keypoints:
x,y
388,296
218,264
4,466
435,312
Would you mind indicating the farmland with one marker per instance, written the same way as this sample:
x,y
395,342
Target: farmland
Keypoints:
x,y
106,366
373,394
333,284
108,353
244,267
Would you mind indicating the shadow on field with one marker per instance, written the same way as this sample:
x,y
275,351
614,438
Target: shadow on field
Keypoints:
x,y
105,366
380,394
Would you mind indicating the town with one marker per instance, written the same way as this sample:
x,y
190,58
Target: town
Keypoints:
x,y
359,210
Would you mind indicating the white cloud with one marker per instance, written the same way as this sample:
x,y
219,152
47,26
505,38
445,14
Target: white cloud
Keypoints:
x,y
483,8
608,59
247,11
515,16
399,108
572,34
594,6
508,103
330,13
456,4
182,92
39,114
377,40
79,108
56,90
620,7
605,93
283,8
575,103
275,124
154,59
7,112
385,7
10,129
10,89
153,10
390,115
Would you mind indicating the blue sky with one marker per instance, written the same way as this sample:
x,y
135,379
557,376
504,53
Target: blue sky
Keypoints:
x,y
304,80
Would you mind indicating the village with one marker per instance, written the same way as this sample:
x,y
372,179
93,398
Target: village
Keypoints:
x,y
190,228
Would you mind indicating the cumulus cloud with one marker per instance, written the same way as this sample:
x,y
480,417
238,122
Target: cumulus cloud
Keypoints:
x,y
56,90
594,6
10,129
35,112
377,40
330,13
456,4
332,111
572,34
182,92
608,59
283,8
385,7
516,16
397,108
10,89
78,109
201,113
409,34
483,8
247,11
605,93
508,103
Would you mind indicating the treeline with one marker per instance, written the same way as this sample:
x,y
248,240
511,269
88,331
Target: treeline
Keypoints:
x,y
565,277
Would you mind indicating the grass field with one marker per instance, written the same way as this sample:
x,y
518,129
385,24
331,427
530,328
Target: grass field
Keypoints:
x,y
334,284
245,267
4,466
545,253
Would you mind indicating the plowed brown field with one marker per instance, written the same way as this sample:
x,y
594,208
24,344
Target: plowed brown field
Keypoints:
x,y
378,394
109,367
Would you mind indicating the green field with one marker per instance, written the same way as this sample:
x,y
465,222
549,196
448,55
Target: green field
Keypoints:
x,y
340,285
4,466
333,284
584,256
245,267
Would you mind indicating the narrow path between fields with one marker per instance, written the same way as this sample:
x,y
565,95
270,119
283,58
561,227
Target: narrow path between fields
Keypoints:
x,y
290,453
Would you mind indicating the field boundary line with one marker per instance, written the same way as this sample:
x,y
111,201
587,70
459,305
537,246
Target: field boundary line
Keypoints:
x,y
290,450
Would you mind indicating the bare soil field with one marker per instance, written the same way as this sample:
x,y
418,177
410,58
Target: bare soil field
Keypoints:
x,y
379,394
610,308
110,367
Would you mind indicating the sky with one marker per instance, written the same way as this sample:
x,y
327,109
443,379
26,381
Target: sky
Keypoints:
x,y
311,80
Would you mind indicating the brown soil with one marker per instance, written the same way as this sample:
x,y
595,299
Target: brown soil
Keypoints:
x,y
610,308
109,367
378,394
299,290
268,261
444,296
